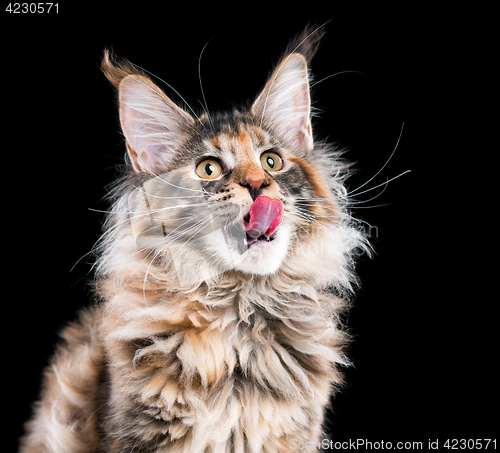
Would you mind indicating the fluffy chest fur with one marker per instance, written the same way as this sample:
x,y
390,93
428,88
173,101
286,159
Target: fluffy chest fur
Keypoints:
x,y
249,374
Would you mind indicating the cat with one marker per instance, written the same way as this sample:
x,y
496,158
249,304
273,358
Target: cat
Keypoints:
x,y
226,264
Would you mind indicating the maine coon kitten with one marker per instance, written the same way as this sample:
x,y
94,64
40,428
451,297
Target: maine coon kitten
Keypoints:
x,y
220,278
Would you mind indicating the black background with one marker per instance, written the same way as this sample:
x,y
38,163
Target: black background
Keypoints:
x,y
424,347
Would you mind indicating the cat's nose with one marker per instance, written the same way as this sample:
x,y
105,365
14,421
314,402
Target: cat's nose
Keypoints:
x,y
256,183
255,186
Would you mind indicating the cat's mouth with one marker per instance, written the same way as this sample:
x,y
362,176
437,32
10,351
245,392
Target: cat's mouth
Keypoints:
x,y
251,240
262,220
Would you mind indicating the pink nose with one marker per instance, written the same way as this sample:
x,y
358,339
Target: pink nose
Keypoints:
x,y
255,183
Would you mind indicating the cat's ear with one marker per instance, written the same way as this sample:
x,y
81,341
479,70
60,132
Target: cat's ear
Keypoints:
x,y
285,103
153,125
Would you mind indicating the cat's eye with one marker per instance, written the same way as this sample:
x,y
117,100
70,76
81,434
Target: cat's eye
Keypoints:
x,y
271,161
209,168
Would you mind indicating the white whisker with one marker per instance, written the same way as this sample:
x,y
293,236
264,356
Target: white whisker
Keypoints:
x,y
352,202
201,84
384,183
383,166
373,206
336,74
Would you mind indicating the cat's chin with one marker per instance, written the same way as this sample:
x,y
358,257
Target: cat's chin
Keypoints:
x,y
262,257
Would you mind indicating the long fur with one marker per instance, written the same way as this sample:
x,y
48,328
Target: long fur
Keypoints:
x,y
237,362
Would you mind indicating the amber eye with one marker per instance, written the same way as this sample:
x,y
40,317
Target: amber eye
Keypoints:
x,y
271,161
209,168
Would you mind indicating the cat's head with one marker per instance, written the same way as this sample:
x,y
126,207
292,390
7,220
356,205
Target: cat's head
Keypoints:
x,y
245,191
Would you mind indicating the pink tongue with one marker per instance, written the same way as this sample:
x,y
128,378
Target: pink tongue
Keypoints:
x,y
265,216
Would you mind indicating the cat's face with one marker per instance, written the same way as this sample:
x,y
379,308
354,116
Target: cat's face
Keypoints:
x,y
234,191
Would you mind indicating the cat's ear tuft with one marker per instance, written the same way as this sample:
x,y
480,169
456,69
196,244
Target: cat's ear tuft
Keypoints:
x,y
116,69
285,103
153,125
